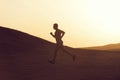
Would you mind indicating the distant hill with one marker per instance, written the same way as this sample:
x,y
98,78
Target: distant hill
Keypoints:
x,y
109,47
25,57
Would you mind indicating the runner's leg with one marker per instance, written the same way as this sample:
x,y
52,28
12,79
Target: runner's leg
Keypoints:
x,y
63,49
55,52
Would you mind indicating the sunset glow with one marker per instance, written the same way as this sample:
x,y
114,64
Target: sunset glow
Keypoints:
x,y
86,22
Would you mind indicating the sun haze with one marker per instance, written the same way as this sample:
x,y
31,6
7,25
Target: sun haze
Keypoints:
x,y
86,22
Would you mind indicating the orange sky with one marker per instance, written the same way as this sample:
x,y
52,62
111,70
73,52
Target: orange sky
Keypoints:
x,y
86,22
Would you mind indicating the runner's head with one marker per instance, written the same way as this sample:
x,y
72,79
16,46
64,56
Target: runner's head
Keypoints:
x,y
55,26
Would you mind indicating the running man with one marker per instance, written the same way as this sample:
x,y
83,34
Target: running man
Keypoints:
x,y
58,35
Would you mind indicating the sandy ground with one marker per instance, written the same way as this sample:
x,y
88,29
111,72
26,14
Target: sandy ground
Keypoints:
x,y
25,57
33,65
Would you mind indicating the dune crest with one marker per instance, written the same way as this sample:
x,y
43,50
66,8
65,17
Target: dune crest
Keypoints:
x,y
25,57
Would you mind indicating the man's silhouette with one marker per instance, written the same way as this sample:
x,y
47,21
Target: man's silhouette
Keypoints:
x,y
58,35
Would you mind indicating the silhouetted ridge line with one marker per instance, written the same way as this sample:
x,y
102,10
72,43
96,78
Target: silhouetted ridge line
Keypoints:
x,y
12,41
109,47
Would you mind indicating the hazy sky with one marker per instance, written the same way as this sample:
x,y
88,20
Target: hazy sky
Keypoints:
x,y
86,22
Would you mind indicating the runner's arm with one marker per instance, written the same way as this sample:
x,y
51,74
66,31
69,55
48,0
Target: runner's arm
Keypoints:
x,y
52,34
62,33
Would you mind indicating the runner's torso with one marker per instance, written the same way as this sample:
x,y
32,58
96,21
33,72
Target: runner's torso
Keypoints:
x,y
58,36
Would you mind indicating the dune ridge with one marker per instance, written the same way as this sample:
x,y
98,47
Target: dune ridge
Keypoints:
x,y
25,57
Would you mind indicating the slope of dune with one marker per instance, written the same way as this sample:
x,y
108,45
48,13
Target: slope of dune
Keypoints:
x,y
13,40
25,57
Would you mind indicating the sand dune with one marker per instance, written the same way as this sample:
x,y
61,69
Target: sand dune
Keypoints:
x,y
25,57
